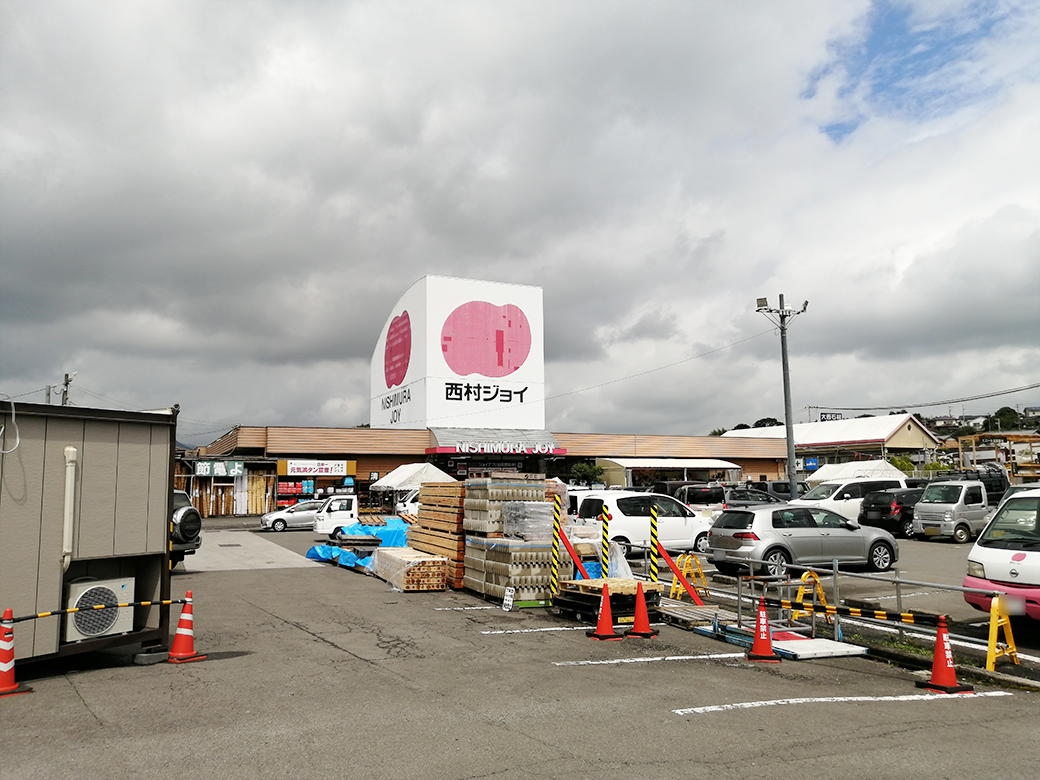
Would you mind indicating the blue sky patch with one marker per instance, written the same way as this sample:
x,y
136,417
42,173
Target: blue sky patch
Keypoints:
x,y
910,68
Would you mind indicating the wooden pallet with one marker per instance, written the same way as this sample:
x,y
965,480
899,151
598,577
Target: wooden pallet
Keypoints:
x,y
410,570
616,585
452,546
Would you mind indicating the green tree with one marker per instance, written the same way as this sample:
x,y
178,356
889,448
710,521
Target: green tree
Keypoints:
x,y
741,427
1004,419
717,432
766,422
586,473
902,463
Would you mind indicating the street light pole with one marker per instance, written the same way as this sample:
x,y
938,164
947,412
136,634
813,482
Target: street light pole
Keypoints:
x,y
783,318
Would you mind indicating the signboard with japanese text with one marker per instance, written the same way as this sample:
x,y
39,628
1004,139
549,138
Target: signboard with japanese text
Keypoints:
x,y
461,353
317,468
220,468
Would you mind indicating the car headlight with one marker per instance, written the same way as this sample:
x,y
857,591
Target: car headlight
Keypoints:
x,y
947,515
976,569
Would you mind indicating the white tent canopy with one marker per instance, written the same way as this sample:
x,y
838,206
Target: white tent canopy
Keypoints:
x,y
853,469
411,475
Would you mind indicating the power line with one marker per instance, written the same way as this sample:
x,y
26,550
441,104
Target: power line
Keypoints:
x,y
932,403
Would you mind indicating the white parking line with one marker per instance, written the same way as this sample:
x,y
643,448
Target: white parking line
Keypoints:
x,y
748,705
537,630
460,609
650,660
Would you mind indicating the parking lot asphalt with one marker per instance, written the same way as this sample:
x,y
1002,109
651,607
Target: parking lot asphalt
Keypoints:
x,y
317,670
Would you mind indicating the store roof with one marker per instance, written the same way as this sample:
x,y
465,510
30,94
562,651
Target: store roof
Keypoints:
x,y
861,430
672,463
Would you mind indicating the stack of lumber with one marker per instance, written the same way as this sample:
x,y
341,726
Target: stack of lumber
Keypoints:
x,y
410,570
437,529
486,495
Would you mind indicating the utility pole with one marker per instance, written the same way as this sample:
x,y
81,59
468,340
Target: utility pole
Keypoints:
x,y
65,388
782,317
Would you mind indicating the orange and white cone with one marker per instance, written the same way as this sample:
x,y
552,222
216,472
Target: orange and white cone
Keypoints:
x,y
641,624
605,626
944,676
8,685
183,649
762,647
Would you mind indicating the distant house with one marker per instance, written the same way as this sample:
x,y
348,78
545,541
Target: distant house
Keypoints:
x,y
863,438
978,423
1031,413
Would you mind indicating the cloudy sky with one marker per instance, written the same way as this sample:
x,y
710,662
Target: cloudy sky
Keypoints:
x,y
218,204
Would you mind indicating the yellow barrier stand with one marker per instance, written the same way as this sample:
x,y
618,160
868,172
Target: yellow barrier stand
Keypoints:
x,y
690,567
821,598
998,618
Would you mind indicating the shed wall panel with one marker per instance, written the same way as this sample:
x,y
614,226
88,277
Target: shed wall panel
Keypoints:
x,y
132,488
95,535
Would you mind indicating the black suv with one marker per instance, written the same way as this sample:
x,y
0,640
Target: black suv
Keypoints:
x,y
891,509
185,528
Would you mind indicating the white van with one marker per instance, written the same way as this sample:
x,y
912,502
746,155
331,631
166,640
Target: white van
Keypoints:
x,y
678,526
845,496
408,504
337,511
1006,556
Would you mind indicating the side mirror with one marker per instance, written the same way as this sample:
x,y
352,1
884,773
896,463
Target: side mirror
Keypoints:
x,y
852,525
845,496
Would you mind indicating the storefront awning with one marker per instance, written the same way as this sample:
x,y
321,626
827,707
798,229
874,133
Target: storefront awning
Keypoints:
x,y
493,441
671,463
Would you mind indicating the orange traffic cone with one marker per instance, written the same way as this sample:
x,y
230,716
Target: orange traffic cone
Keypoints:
x,y
944,676
641,625
605,626
183,649
762,647
8,685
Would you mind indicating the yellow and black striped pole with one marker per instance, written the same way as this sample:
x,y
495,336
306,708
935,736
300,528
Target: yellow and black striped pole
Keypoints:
x,y
604,517
653,543
554,578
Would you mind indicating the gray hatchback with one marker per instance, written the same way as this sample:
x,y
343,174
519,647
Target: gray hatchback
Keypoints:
x,y
768,537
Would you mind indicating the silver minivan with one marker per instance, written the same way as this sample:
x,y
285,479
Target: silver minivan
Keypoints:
x,y
955,509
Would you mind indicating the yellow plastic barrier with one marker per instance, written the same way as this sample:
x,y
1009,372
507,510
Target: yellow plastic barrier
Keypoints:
x,y
821,598
998,619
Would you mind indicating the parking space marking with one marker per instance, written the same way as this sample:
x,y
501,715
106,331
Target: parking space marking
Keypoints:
x,y
460,609
536,630
651,659
749,705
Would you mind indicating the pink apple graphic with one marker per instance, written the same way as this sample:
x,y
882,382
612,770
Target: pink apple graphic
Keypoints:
x,y
1018,557
481,338
398,350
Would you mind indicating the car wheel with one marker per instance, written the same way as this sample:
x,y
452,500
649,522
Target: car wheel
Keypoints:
x,y
278,525
880,557
776,562
729,569
961,534
624,544
908,529
702,545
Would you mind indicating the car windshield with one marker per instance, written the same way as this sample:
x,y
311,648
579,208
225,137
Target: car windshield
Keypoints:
x,y
941,494
1014,526
822,491
730,519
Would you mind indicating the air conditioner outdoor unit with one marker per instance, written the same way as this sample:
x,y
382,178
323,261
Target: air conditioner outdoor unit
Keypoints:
x,y
89,623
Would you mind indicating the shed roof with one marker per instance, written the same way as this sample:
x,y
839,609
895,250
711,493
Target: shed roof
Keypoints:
x,y
861,430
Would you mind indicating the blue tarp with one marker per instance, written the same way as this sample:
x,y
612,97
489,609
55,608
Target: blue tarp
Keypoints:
x,y
393,534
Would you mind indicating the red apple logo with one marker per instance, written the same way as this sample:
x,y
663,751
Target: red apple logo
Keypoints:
x,y
481,338
398,350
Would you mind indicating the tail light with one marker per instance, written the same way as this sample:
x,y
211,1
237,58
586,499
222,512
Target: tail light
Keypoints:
x,y
749,535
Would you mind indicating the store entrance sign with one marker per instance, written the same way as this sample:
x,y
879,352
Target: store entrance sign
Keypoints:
x,y
220,468
318,468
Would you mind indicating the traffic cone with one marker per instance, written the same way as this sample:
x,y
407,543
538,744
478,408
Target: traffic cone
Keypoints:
x,y
641,625
944,676
605,626
8,685
762,647
183,649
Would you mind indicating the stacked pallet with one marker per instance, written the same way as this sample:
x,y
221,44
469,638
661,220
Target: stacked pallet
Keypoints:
x,y
493,565
485,496
437,529
410,570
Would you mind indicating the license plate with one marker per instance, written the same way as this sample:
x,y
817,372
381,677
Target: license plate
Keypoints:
x,y
726,543
932,530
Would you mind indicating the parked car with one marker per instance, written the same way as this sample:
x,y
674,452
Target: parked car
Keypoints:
x,y
299,515
892,510
335,512
779,488
804,536
737,497
1006,556
845,496
678,526
702,497
185,528
1013,489
956,509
